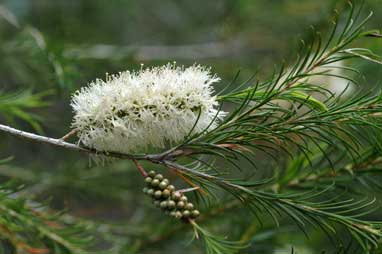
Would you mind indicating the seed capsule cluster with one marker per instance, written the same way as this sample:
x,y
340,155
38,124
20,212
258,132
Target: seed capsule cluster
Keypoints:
x,y
167,198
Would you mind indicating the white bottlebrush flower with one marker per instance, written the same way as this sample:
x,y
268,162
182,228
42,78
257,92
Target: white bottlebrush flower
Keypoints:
x,y
153,108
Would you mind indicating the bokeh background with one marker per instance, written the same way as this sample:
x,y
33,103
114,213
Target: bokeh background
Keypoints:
x,y
56,47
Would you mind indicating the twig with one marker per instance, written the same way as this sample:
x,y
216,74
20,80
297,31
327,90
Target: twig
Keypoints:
x,y
140,168
184,178
155,158
165,159
188,189
43,139
69,134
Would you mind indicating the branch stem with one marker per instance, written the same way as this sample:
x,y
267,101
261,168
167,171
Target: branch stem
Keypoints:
x,y
155,158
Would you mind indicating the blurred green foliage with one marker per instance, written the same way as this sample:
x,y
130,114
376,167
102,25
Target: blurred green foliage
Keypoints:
x,y
52,48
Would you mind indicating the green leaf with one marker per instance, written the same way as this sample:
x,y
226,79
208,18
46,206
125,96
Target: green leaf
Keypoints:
x,y
305,99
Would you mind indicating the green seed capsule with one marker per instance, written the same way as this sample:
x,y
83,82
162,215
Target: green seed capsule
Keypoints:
x,y
171,204
180,204
186,214
166,193
155,183
163,204
158,194
195,214
189,206
173,213
148,179
163,185
156,203
183,198
178,214
176,196
145,190
171,188
152,173
150,192
159,177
